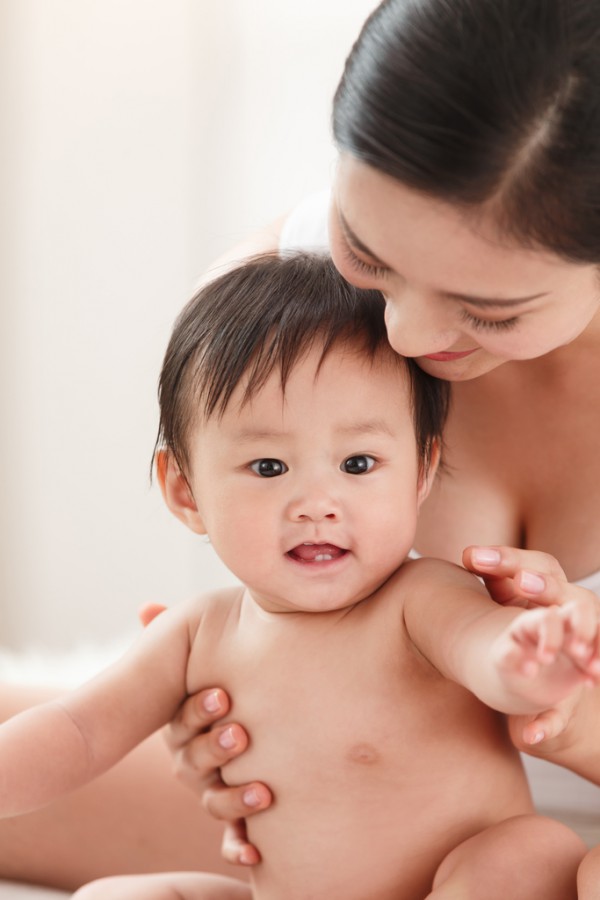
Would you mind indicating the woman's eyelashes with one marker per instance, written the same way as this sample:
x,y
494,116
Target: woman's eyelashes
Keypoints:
x,y
359,264
489,324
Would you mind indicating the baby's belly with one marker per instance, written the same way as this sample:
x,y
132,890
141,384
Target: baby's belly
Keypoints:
x,y
375,820
388,846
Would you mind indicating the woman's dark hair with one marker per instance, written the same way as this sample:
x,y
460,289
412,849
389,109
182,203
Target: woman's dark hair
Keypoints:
x,y
485,103
264,316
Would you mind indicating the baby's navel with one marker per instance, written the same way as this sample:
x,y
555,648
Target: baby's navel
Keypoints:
x,y
365,754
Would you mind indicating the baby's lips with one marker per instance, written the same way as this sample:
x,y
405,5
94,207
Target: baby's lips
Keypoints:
x,y
316,552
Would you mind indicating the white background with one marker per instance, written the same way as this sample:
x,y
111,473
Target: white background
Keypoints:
x,y
140,139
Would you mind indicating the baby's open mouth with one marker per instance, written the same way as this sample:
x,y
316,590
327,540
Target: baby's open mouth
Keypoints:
x,y
316,552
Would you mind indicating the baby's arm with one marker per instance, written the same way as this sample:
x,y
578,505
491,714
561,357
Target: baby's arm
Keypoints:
x,y
515,661
58,746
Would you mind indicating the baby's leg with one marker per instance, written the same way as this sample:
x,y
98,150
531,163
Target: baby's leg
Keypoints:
x,y
588,877
521,858
165,886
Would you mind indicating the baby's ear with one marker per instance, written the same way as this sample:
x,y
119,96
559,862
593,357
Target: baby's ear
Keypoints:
x,y
427,475
176,492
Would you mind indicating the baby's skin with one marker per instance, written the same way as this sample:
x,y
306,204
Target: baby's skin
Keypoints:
x,y
377,737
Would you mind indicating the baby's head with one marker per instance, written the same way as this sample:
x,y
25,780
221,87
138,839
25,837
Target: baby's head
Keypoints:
x,y
278,389
263,317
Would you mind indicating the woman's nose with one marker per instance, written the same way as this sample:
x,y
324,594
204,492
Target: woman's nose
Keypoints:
x,y
417,325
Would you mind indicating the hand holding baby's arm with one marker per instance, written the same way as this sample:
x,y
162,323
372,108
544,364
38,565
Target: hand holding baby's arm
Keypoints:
x,y
518,662
545,654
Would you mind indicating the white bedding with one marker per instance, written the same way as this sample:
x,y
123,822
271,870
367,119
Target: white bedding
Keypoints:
x,y
9,890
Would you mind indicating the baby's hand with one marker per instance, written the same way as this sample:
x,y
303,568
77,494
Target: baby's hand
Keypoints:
x,y
545,654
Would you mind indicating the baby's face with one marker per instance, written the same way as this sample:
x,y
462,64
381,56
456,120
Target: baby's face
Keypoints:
x,y
311,497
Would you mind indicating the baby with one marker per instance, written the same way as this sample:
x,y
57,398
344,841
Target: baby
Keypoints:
x,y
302,445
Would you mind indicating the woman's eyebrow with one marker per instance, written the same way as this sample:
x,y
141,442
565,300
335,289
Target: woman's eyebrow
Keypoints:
x,y
356,241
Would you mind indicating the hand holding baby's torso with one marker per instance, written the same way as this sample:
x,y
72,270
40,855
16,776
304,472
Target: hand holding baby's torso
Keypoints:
x,y
369,752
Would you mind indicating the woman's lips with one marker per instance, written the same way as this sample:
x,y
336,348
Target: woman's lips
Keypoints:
x,y
448,356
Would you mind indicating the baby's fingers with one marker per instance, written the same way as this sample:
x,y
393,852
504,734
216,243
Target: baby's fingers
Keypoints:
x,y
551,635
582,634
538,636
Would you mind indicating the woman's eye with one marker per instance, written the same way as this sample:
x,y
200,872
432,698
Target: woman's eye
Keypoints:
x,y
502,325
360,265
357,465
268,468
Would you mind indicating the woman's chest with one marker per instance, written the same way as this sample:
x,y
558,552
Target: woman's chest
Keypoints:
x,y
522,468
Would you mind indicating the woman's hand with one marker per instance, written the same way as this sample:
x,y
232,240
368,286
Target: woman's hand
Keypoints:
x,y
199,748
525,578
530,578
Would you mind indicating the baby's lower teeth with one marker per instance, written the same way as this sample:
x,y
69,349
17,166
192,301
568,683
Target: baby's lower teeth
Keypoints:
x,y
322,557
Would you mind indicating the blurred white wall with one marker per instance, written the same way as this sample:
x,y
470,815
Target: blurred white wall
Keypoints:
x,y
141,138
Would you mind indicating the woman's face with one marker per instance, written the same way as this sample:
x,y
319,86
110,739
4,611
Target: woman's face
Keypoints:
x,y
459,300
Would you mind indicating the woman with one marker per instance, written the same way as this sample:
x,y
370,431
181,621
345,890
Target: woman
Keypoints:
x,y
468,191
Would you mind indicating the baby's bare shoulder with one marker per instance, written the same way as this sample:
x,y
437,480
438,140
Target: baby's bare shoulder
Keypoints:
x,y
428,574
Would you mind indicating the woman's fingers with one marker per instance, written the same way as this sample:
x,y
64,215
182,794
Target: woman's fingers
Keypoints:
x,y
232,803
235,847
196,714
543,727
519,577
508,561
150,611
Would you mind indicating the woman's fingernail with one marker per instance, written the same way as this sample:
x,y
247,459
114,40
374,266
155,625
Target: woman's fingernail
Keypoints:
x,y
538,737
486,557
211,702
251,798
246,857
227,739
532,583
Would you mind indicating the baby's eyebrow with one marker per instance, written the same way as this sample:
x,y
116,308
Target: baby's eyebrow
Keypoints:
x,y
352,429
246,435
368,426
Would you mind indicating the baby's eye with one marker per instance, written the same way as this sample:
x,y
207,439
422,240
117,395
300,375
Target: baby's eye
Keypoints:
x,y
357,465
268,468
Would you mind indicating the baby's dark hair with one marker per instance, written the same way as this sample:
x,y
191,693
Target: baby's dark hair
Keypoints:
x,y
266,315
488,104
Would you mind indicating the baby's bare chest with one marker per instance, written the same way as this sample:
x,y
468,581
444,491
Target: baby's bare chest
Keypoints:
x,y
369,755
351,704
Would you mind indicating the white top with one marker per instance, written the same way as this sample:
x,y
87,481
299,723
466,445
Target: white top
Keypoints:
x,y
557,792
